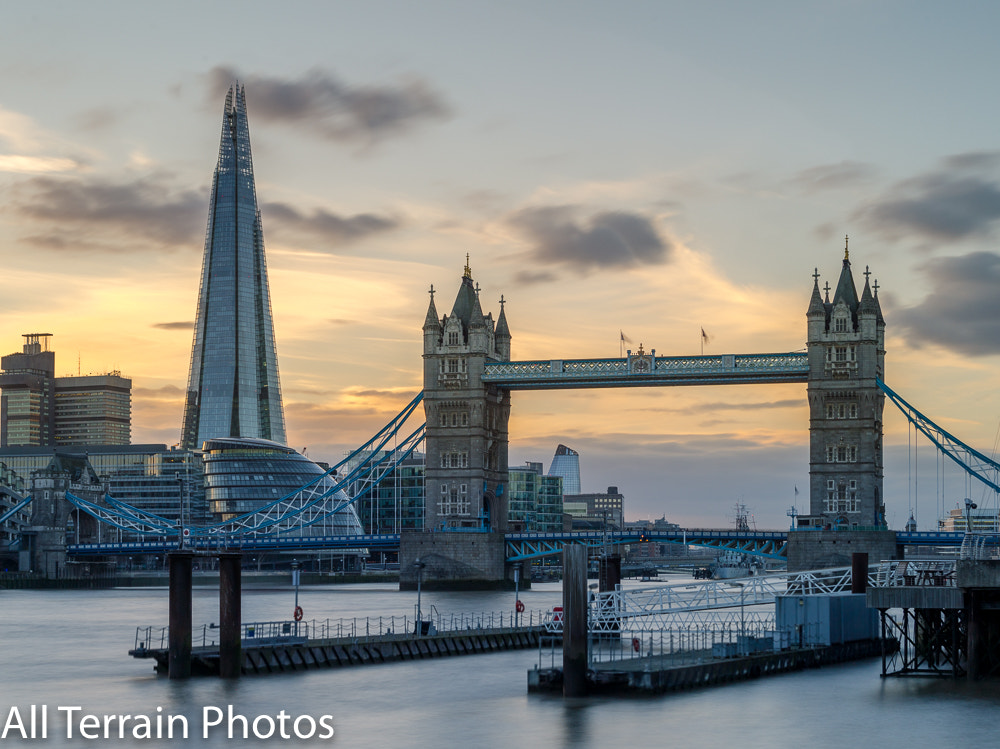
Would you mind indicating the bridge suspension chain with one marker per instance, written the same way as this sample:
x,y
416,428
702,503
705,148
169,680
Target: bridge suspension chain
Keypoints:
x,y
307,506
973,462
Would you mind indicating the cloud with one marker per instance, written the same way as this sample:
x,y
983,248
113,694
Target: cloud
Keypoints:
x,y
338,230
833,176
607,240
165,393
333,109
705,408
185,325
144,208
962,312
19,164
534,276
958,201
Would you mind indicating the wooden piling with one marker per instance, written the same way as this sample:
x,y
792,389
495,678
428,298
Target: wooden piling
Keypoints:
x,y
574,620
859,572
179,658
230,614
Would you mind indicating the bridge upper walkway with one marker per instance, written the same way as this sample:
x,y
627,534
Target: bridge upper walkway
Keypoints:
x,y
649,370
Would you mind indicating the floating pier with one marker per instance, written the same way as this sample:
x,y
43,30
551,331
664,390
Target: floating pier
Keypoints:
x,y
660,674
279,650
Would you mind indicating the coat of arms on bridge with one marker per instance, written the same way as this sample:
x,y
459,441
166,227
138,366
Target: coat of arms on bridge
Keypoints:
x,y
640,362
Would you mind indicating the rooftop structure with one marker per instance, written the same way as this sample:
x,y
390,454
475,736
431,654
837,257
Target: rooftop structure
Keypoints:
x,y
39,409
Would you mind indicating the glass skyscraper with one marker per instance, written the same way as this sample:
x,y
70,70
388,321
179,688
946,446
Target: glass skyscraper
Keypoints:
x,y
566,463
233,388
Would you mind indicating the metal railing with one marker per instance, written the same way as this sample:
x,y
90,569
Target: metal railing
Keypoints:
x,y
693,641
928,572
207,635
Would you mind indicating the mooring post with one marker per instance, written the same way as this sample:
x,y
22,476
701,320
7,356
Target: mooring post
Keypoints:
x,y
179,641
610,572
230,615
859,572
574,620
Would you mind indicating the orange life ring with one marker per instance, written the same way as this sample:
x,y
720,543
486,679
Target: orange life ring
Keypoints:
x,y
297,613
636,644
519,606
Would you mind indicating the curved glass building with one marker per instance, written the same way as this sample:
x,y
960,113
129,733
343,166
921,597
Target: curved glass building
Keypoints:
x,y
243,475
233,388
566,463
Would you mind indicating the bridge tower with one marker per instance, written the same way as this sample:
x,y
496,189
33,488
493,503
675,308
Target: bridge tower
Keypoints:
x,y
466,435
846,345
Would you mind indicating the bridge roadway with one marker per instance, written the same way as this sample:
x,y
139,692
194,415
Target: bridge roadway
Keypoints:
x,y
520,546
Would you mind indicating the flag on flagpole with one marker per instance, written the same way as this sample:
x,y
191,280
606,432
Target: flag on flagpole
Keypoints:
x,y
625,338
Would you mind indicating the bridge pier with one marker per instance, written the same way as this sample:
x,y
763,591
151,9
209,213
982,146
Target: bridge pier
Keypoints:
x,y
179,659
574,620
230,614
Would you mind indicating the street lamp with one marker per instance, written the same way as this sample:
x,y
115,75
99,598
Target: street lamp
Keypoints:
x,y
419,567
297,611
743,628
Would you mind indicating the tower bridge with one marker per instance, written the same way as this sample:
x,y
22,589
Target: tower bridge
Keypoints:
x,y
468,381
469,377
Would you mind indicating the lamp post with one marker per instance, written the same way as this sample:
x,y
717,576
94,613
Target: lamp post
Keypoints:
x,y
297,612
517,599
419,567
743,628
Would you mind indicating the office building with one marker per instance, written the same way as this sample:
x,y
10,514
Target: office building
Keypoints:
x,y
39,409
393,502
566,463
233,387
536,500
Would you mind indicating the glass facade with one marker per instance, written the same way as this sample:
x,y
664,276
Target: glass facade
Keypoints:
x,y
536,501
233,387
566,463
242,475
396,502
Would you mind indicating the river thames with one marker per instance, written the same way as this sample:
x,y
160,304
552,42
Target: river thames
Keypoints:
x,y
69,648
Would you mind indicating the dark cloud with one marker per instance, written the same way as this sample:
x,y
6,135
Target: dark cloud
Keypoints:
x,y
338,230
187,325
962,312
332,108
833,176
527,277
144,208
960,200
612,239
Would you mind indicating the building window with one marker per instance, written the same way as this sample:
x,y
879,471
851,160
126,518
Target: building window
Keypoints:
x,y
840,325
453,338
842,453
465,419
444,419
453,366
841,410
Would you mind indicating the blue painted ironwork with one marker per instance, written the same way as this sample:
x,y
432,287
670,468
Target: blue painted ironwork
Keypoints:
x,y
303,508
770,544
649,370
972,461
15,509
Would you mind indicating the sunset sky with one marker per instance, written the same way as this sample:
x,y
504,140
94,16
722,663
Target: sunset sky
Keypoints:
x,y
653,168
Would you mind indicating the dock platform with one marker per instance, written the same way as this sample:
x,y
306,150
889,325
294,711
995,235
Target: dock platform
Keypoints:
x,y
661,674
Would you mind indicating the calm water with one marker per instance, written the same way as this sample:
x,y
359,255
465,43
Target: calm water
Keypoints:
x,y
69,648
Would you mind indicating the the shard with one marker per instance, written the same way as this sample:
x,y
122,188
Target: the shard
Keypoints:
x,y
233,388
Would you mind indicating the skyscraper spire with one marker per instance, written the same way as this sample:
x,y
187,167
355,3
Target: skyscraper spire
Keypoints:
x,y
233,387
